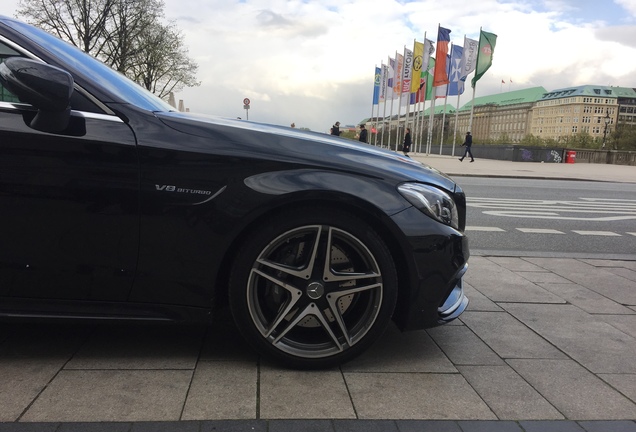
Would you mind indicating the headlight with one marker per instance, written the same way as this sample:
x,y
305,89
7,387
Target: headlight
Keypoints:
x,y
432,201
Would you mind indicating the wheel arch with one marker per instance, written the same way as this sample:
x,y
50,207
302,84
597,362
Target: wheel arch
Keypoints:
x,y
379,221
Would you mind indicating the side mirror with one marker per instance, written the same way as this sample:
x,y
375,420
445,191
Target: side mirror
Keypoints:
x,y
47,88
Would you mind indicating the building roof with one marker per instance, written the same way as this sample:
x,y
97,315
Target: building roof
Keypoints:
x,y
590,90
529,95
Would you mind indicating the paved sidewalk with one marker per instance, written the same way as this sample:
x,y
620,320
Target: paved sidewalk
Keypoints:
x,y
545,345
498,168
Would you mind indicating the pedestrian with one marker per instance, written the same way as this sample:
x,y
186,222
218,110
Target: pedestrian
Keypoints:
x,y
335,129
406,147
468,142
363,134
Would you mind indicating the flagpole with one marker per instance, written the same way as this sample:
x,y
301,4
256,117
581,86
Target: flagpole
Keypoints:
x,y
441,140
372,101
392,94
417,123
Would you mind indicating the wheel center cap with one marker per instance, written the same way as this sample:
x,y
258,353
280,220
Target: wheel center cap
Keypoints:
x,y
315,290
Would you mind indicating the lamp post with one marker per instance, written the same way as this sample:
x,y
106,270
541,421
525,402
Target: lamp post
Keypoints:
x,y
607,122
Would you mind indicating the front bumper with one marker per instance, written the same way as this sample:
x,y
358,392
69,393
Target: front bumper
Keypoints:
x,y
455,303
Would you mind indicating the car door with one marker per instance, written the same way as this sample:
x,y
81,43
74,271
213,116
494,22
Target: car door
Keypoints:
x,y
69,204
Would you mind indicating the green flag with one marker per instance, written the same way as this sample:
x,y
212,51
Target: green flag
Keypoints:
x,y
487,43
430,93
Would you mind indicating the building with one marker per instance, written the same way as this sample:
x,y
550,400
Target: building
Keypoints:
x,y
503,116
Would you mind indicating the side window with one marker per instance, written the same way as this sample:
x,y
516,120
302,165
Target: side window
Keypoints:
x,y
79,102
5,52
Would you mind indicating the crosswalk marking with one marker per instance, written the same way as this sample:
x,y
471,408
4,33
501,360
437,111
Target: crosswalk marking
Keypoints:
x,y
597,233
583,209
548,231
540,231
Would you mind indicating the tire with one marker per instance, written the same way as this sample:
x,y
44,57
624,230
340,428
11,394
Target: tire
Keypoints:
x,y
293,308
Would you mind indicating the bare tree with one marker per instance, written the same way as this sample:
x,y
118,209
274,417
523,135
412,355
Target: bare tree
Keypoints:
x,y
163,65
80,22
128,35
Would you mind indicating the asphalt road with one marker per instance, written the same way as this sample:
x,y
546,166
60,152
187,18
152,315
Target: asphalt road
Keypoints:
x,y
554,217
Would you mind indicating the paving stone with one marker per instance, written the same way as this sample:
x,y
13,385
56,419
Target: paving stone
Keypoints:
x,y
624,383
516,264
543,277
29,358
105,427
143,395
626,273
508,395
222,390
300,425
412,351
608,426
365,426
489,426
502,285
586,299
611,263
598,279
550,426
574,391
478,301
624,323
130,346
508,337
28,427
463,347
428,426
234,426
415,396
593,343
289,394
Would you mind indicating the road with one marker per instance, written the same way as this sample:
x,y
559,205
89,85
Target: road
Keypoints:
x,y
554,217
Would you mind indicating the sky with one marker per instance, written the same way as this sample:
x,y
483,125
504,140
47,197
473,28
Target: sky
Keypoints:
x,y
312,62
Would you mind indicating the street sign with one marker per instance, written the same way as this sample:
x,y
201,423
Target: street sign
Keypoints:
x,y
246,101
246,107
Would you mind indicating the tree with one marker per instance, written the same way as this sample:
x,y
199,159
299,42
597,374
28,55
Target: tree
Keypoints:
x,y
162,64
127,35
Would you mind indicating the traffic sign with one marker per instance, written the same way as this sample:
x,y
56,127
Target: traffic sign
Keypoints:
x,y
246,101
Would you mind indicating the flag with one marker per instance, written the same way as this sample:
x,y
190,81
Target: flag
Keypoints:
x,y
383,82
407,74
469,59
440,77
376,85
397,79
487,42
418,61
426,80
390,78
454,71
429,80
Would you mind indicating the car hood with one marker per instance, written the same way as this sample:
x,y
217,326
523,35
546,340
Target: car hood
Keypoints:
x,y
316,149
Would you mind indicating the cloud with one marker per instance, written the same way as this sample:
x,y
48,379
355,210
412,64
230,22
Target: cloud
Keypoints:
x,y
313,62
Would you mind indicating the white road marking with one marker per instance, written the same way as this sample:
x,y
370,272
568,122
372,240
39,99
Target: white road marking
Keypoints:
x,y
587,209
479,228
632,233
540,231
598,233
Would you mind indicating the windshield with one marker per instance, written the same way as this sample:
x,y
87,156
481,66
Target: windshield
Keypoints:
x,y
106,77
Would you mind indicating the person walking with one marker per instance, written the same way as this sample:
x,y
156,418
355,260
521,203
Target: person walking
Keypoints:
x,y
335,129
363,134
406,147
468,142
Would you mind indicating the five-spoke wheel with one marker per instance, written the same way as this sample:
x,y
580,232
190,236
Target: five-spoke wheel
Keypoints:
x,y
314,289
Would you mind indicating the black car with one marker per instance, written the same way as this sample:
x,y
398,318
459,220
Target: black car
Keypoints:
x,y
116,207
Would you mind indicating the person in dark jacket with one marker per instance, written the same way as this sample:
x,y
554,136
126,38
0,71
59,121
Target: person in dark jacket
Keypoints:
x,y
335,129
363,134
406,147
468,142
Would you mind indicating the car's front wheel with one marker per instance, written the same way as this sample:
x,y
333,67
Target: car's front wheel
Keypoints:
x,y
313,289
